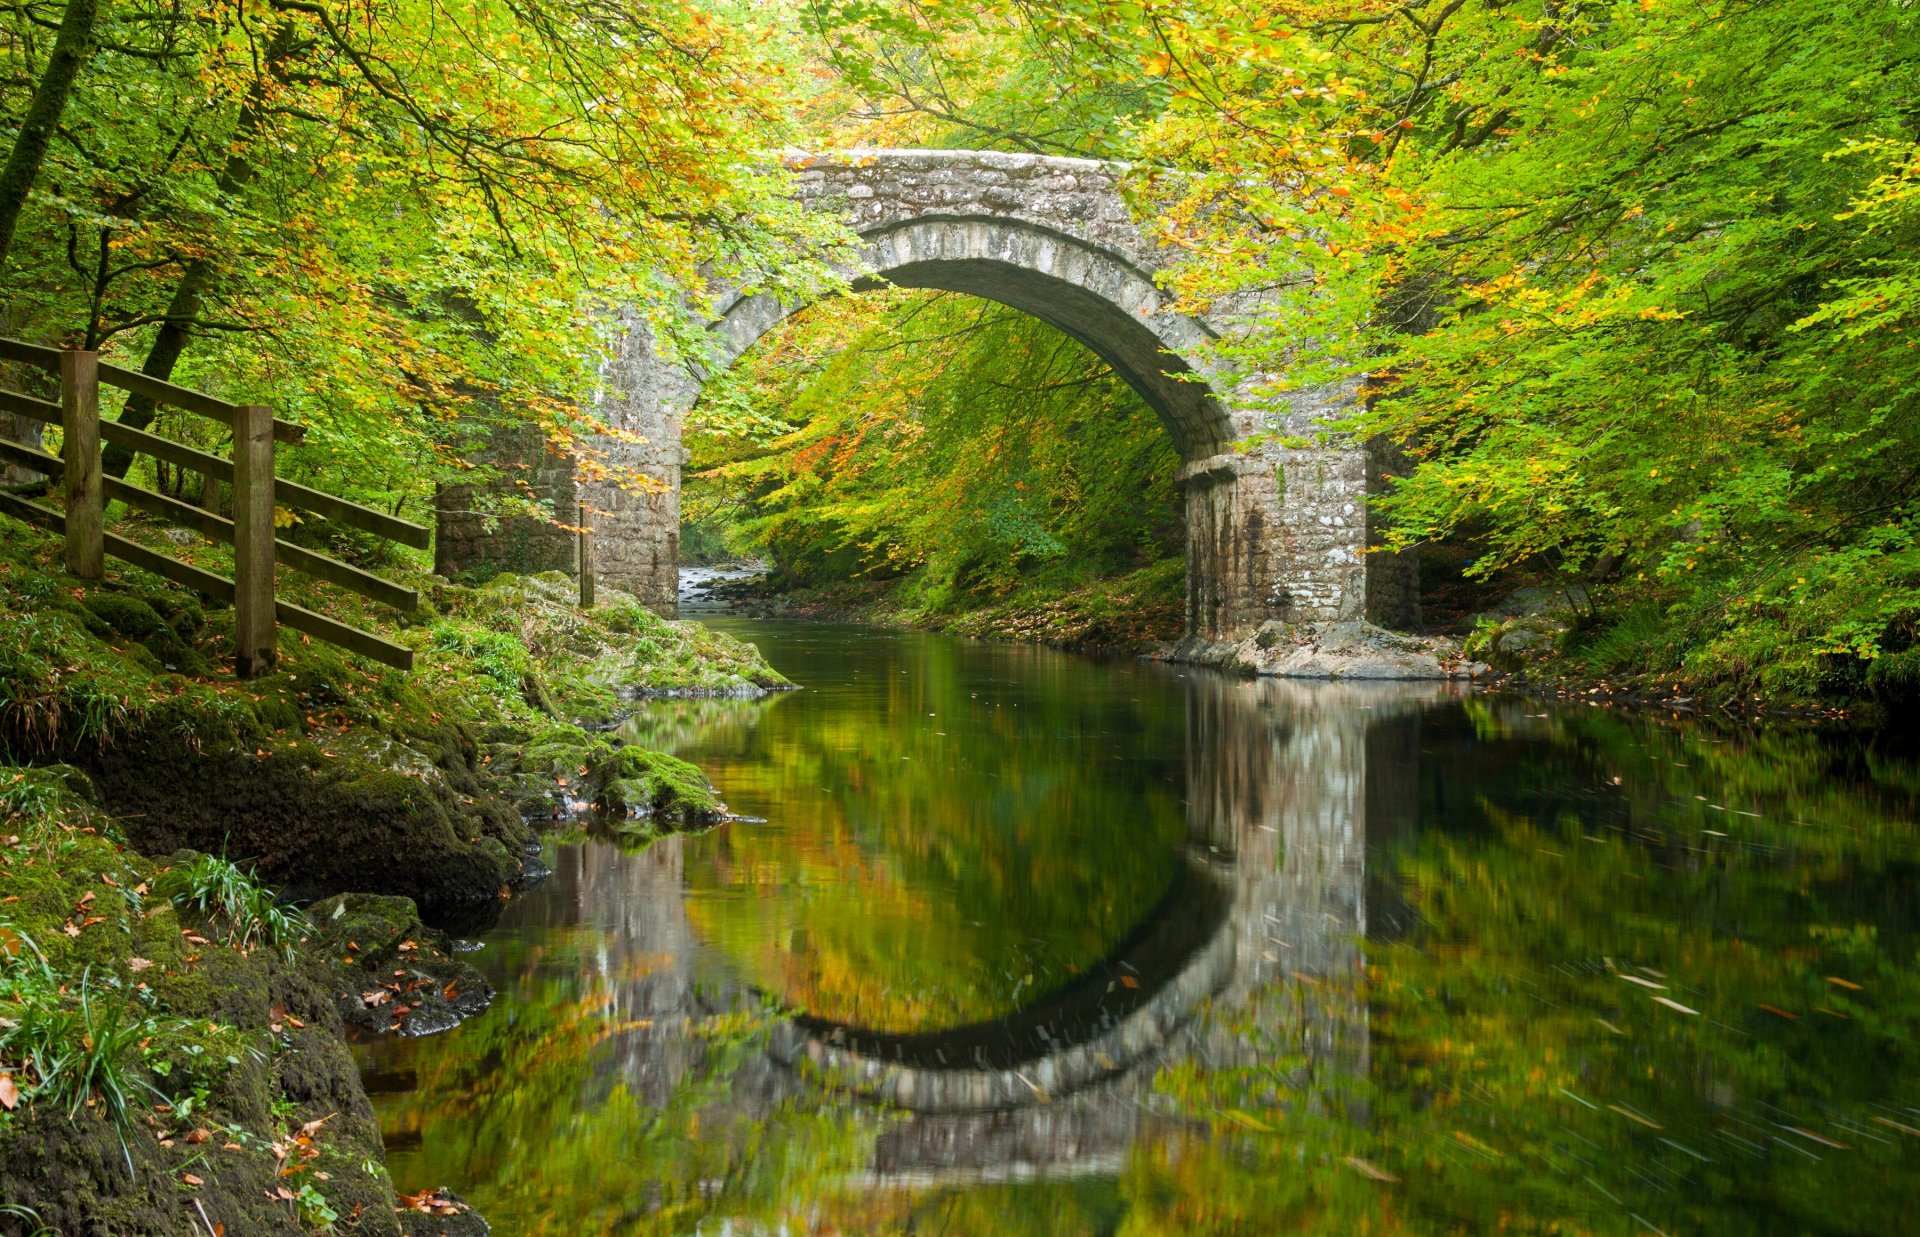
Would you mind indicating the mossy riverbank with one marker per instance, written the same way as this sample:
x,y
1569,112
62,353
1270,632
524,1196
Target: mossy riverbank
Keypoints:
x,y
170,1069
1136,612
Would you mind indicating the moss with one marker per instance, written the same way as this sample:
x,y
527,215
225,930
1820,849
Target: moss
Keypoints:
x,y
632,782
383,947
242,1048
129,615
588,666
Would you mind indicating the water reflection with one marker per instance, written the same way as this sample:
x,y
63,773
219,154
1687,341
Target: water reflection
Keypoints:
x,y
1034,943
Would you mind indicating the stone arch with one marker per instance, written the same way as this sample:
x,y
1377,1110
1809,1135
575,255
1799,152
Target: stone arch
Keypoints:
x,y
1085,291
1274,532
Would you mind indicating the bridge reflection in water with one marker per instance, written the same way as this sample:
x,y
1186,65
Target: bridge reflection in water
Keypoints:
x,y
1287,787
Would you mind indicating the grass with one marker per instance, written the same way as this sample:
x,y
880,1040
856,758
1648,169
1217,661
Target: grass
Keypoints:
x,y
84,1053
224,893
27,1214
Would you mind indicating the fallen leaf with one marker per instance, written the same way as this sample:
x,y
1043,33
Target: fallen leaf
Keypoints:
x,y
1781,1013
199,1136
1838,982
9,1092
190,1179
138,964
1676,1005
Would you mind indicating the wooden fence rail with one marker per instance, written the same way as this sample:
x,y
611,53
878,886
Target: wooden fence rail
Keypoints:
x,y
250,532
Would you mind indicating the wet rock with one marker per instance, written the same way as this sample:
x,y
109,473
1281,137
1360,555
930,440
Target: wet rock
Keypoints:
x,y
397,976
1342,650
632,782
441,1213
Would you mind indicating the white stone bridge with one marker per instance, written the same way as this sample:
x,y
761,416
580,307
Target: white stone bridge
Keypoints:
x,y
1272,533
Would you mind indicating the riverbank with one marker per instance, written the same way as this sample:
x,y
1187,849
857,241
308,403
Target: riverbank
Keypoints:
x,y
1134,613
134,762
1545,640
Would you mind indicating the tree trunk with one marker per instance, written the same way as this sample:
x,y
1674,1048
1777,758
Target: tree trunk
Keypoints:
x,y
71,49
197,279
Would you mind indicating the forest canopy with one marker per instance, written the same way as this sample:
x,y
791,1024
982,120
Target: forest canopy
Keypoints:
x,y
1633,284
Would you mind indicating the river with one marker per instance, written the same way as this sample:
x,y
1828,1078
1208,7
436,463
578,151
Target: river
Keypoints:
x,y
1018,941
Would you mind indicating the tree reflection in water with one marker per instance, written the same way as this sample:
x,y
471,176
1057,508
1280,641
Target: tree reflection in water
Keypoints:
x,y
1482,964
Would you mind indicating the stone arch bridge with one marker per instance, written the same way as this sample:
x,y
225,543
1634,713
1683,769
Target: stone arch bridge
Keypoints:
x,y
1272,532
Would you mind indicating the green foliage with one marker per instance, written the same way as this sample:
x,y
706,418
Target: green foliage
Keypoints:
x,y
223,893
1629,278
501,659
83,1051
962,445
325,208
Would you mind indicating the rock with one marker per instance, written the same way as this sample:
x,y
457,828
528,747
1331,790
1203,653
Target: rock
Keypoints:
x,y
397,976
1515,643
1340,650
441,1213
634,782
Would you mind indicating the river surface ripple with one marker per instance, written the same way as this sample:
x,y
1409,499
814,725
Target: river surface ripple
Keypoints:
x,y
1035,943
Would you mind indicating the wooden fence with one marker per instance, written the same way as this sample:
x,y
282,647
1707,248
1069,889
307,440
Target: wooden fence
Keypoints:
x,y
250,532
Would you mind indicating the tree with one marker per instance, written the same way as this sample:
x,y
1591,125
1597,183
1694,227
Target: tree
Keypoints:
x,y
72,47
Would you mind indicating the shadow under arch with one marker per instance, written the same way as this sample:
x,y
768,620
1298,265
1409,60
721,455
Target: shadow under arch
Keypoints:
x,y
1097,297
1101,1023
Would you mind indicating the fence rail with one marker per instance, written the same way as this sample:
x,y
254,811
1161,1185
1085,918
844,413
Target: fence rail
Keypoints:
x,y
256,491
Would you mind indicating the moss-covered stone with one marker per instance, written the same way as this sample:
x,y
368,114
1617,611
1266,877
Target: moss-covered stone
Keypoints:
x,y
128,615
590,665
396,974
633,782
243,1047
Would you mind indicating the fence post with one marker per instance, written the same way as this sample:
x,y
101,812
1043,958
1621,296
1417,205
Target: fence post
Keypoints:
x,y
80,454
254,629
586,561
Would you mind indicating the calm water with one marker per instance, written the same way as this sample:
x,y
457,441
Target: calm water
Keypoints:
x,y
1030,943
